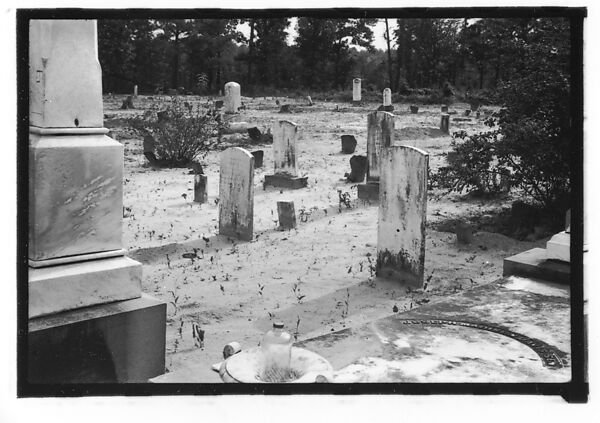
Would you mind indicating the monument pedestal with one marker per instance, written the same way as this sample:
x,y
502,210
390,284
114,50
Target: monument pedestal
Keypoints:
x,y
123,341
534,264
368,191
285,181
559,247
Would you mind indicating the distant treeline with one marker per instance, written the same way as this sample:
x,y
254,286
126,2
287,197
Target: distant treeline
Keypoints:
x,y
201,55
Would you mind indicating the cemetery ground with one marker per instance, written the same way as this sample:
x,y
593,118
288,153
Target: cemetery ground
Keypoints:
x,y
317,278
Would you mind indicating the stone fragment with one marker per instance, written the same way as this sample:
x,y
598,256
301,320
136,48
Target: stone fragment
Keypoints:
x,y
200,192
348,144
258,158
287,215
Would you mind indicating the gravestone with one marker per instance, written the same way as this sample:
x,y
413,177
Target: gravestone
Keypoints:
x,y
128,103
464,233
445,123
80,282
387,100
414,109
285,175
255,135
444,109
348,144
356,90
233,99
149,147
380,134
258,158
218,104
467,112
286,214
135,91
358,166
200,192
402,214
236,194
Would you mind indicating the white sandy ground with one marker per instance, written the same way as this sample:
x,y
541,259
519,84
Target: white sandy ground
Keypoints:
x,y
316,278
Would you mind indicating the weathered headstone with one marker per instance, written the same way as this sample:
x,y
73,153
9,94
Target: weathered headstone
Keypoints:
x,y
358,169
285,175
356,90
467,112
414,109
200,192
233,98
444,109
286,214
445,123
255,134
236,194
76,256
348,144
402,214
285,108
135,91
258,158
380,134
387,100
127,103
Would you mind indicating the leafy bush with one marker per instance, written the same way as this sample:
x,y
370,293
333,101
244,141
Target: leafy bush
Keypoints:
x,y
531,145
181,132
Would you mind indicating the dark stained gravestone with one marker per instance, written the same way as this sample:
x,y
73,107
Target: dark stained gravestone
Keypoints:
x,y
348,144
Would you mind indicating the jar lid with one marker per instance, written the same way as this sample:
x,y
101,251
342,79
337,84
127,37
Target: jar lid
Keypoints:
x,y
278,325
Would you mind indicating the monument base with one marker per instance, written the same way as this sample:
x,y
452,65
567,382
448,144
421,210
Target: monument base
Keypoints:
x,y
383,108
76,285
368,191
285,181
357,103
401,276
534,264
118,342
559,247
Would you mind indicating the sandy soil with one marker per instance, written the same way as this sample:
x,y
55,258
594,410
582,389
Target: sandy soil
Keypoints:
x,y
317,278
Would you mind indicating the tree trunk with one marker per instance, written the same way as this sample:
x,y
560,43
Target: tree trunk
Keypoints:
x,y
250,53
175,70
389,54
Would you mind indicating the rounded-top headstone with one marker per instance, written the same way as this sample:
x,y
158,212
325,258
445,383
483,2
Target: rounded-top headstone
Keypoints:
x,y
348,144
387,97
356,89
233,98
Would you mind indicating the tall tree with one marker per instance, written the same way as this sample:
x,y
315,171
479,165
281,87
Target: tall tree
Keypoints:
x,y
389,56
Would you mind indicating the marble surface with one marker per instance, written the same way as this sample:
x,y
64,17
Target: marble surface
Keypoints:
x,y
66,287
65,79
285,134
402,214
75,195
559,247
356,89
380,134
236,194
233,99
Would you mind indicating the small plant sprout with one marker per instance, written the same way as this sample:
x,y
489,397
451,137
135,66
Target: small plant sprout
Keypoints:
x,y
297,331
260,289
198,335
297,293
174,301
343,199
346,304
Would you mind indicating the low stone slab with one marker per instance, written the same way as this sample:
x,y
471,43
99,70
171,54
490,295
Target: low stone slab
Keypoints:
x,y
285,181
119,342
534,264
70,286
369,192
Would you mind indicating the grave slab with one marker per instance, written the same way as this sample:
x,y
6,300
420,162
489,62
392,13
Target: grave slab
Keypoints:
x,y
236,194
534,264
60,288
514,330
284,181
119,342
369,192
402,214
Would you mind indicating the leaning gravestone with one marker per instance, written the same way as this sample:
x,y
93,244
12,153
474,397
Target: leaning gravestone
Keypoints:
x,y
285,175
233,99
380,134
445,123
356,90
402,214
236,194
348,144
258,158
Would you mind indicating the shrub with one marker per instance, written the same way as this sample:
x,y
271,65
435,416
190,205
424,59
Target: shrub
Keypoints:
x,y
531,144
181,131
